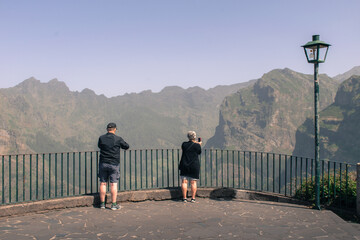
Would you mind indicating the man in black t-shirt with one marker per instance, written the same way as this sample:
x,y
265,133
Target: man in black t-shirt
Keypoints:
x,y
109,170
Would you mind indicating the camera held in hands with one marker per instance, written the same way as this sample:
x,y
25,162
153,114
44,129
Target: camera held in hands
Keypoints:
x,y
199,139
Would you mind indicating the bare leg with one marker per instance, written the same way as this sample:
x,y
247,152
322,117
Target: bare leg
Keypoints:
x,y
193,189
113,190
102,191
184,185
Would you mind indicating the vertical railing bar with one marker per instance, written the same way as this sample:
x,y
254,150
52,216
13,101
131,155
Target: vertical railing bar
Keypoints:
x,y
30,180
329,190
301,174
256,171
17,178
146,167
49,175
340,185
24,178
97,171
67,175
322,178
346,186
73,160
62,174
334,197
274,172
285,177
91,173
10,179
157,167
56,183
205,168
244,170
173,166
296,172
136,169
239,168
37,177
85,170
130,172
79,173
211,167
311,171
291,175
306,177
43,174
3,180
228,169
262,171
216,168
162,167
250,171
233,167
141,170
125,171
152,166
168,173
222,167
280,173
267,171
178,161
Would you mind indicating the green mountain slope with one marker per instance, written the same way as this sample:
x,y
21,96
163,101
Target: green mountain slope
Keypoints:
x,y
339,127
48,117
266,115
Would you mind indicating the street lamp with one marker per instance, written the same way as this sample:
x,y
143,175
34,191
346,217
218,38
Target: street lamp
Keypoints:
x,y
316,52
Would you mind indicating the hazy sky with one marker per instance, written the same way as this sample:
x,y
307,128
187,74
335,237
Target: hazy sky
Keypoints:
x,y
122,46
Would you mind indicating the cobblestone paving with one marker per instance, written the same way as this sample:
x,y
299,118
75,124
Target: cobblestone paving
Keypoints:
x,y
205,219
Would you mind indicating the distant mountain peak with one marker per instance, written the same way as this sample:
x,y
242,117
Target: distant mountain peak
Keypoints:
x,y
348,74
88,91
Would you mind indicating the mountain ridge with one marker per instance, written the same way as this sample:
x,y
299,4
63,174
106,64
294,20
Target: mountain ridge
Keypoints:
x,y
43,117
265,115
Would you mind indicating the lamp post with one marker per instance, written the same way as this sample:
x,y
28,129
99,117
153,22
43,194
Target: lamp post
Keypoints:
x,y
316,52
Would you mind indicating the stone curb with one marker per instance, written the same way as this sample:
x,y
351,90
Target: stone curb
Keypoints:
x,y
137,196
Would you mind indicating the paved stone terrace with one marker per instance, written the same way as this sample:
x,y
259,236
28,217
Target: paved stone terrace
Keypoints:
x,y
173,219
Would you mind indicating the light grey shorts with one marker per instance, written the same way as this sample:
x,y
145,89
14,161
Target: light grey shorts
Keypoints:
x,y
188,178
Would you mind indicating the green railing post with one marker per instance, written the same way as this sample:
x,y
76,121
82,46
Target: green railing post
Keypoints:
x,y
17,179
146,167
24,178
43,175
79,172
56,163
85,169
62,174
37,177
49,175
3,180
67,177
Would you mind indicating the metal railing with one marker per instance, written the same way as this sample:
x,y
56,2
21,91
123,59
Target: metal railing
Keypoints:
x,y
31,177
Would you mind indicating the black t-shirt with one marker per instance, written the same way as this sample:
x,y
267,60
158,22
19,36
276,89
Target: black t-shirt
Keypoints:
x,y
110,145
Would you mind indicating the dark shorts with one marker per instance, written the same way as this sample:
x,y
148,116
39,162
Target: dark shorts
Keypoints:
x,y
109,172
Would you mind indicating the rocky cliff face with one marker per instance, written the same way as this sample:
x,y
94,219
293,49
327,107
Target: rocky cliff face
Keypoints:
x,y
266,115
339,127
